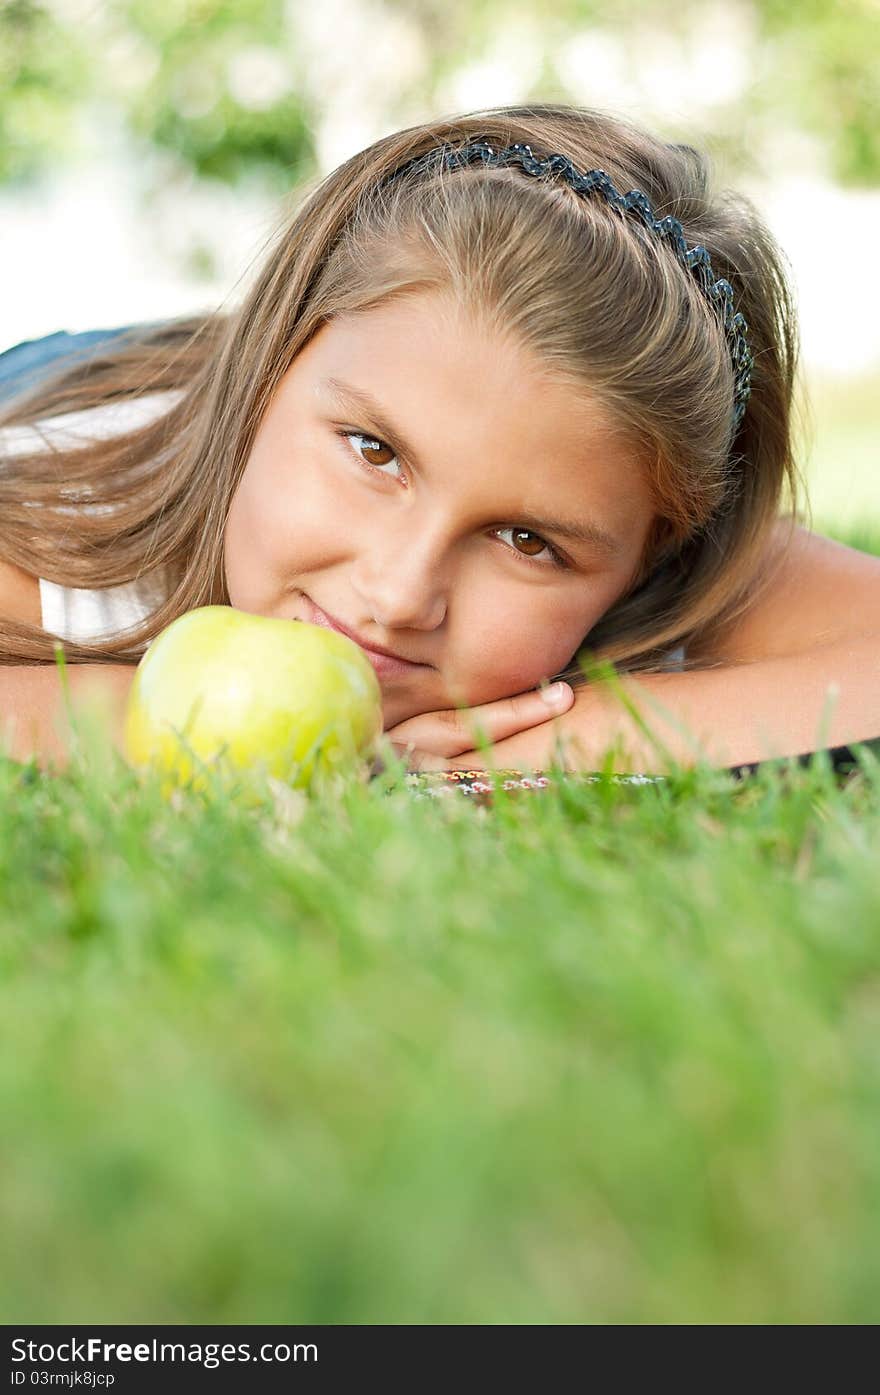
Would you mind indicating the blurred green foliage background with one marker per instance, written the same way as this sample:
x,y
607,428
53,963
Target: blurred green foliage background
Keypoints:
x,y
223,84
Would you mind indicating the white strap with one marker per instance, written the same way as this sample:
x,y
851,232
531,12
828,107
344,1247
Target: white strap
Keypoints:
x,y
76,614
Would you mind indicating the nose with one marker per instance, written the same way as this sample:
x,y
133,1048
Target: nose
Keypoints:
x,y
401,582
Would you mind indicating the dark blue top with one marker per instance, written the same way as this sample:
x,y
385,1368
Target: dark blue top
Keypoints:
x,y
25,364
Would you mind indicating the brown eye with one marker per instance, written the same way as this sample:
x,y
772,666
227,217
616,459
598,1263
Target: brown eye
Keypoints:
x,y
532,549
372,453
375,453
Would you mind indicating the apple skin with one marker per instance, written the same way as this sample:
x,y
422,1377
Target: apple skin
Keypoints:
x,y
295,699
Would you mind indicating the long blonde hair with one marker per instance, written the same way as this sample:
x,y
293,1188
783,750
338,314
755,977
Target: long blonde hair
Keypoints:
x,y
579,284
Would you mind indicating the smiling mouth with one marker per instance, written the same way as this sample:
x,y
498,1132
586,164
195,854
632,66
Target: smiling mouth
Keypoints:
x,y
384,661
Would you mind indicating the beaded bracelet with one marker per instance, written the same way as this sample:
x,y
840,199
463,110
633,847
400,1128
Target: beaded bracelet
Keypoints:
x,y
480,785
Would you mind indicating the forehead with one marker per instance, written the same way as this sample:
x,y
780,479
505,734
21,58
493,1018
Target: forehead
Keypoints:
x,y
462,392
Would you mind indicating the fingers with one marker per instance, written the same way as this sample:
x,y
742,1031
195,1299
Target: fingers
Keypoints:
x,y
450,733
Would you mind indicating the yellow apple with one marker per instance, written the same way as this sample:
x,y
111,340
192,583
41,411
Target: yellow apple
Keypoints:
x,y
222,690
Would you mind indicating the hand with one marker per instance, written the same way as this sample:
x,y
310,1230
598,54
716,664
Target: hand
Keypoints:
x,y
522,730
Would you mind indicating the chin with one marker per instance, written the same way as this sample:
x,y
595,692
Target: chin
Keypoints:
x,y
396,708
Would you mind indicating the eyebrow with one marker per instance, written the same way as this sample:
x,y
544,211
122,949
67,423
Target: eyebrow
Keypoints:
x,y
346,395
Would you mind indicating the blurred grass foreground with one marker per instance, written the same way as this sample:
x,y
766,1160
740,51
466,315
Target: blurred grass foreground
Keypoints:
x,y
607,1053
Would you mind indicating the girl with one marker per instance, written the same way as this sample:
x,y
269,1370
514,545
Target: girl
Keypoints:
x,y
486,410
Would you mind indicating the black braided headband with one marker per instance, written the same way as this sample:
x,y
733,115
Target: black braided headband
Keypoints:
x,y
695,259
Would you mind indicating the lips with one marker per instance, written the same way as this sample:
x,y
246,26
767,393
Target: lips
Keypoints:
x,y
321,617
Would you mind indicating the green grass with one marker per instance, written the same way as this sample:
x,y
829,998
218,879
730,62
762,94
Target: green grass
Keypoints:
x,y
604,1053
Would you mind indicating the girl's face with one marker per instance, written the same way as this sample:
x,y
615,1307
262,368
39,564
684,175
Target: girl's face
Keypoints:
x,y
423,483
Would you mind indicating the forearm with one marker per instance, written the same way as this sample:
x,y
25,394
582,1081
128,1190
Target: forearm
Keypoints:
x,y
734,715
35,720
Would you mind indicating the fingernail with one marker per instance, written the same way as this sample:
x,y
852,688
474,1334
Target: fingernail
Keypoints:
x,y
555,695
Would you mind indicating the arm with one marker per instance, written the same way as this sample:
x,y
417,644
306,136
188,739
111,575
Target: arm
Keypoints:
x,y
730,716
735,715
34,719
799,672
819,593
807,648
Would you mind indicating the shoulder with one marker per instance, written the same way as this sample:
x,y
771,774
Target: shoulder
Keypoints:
x,y
817,592
19,595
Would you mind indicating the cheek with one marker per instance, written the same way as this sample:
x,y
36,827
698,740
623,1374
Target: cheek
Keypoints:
x,y
245,541
510,645
276,529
